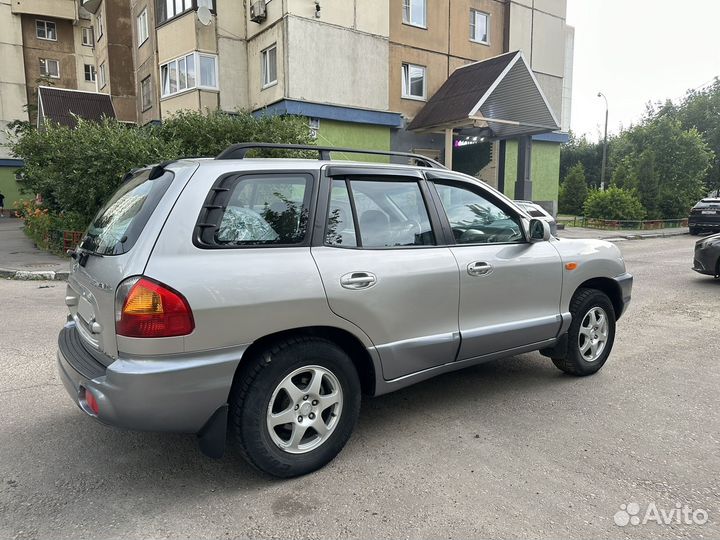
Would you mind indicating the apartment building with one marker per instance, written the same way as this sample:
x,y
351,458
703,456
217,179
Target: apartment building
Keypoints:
x,y
60,44
360,70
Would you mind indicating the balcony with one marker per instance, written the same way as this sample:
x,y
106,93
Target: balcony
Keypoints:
x,y
59,9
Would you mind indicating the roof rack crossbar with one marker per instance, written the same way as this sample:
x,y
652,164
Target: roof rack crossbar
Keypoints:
x,y
240,150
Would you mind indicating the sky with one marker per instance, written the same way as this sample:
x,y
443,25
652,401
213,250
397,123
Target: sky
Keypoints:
x,y
636,51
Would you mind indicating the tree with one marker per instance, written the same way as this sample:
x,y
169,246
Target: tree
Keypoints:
x,y
614,203
574,191
580,150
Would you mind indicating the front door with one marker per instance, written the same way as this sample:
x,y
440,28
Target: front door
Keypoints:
x,y
509,288
383,270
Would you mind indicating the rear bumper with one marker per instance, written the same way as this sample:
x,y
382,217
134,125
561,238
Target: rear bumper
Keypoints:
x,y
704,222
174,393
625,282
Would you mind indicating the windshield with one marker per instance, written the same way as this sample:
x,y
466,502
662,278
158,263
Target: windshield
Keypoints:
x,y
118,224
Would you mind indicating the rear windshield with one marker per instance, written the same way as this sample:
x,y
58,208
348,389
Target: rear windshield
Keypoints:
x,y
118,224
708,204
531,210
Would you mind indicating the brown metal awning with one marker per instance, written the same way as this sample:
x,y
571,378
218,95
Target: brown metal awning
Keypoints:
x,y
500,95
64,106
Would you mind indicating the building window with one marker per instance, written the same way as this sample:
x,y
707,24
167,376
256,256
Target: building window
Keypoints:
x,y
90,73
414,12
479,27
50,68
99,25
102,76
180,74
87,36
142,27
413,81
146,93
269,66
46,30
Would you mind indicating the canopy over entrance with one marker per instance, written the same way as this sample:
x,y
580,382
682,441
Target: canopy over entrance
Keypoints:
x,y
499,97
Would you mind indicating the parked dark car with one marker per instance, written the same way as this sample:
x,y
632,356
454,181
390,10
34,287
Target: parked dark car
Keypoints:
x,y
707,256
536,211
705,216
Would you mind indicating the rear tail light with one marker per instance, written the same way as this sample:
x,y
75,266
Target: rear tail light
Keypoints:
x,y
148,309
89,398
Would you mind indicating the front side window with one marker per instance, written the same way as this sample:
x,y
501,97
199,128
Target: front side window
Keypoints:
x,y
413,81
266,210
146,93
46,30
180,74
475,219
269,66
479,26
87,36
50,68
142,27
90,73
414,12
381,214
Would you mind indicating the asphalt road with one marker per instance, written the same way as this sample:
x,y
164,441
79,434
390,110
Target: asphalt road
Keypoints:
x,y
513,448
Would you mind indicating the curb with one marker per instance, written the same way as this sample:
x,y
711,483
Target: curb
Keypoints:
x,y
644,236
40,275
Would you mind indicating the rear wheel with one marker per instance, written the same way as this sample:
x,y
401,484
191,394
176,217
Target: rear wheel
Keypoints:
x,y
295,406
591,334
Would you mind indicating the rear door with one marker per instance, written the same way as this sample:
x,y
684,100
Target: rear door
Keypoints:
x,y
384,269
509,288
117,245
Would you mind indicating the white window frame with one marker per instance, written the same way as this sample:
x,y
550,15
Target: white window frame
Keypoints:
x,y
146,106
46,73
88,36
406,86
473,26
265,66
142,27
407,8
198,75
100,27
45,26
93,73
101,76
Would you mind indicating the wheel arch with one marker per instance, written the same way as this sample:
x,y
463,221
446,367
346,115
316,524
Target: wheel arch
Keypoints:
x,y
344,339
608,286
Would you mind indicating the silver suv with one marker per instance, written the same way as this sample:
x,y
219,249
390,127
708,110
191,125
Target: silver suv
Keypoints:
x,y
259,298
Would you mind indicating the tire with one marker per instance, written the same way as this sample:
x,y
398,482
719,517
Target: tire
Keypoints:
x,y
277,381
694,231
579,362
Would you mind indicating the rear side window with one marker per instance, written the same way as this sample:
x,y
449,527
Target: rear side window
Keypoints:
x,y
377,214
118,224
261,210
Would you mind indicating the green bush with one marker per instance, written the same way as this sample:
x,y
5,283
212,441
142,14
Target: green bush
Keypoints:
x,y
614,203
76,170
46,228
573,191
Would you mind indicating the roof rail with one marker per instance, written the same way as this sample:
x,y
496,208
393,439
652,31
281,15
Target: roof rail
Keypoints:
x,y
238,151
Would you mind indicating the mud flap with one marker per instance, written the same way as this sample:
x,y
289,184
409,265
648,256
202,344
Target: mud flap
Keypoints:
x,y
212,436
559,350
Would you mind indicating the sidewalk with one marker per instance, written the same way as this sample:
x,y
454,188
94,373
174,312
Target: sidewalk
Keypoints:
x,y
20,259
620,234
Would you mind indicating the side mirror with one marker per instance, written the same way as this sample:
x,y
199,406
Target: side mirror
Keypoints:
x,y
539,231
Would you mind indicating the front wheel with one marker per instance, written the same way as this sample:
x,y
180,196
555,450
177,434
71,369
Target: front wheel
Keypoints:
x,y
591,334
294,406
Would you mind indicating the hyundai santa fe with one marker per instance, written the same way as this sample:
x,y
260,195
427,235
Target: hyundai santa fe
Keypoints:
x,y
255,299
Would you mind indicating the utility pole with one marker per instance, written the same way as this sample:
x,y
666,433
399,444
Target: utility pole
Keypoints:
x,y
604,157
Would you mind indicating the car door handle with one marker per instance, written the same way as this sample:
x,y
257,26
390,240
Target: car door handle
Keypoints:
x,y
358,280
479,268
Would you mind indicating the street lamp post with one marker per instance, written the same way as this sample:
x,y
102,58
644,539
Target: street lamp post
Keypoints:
x,y
604,157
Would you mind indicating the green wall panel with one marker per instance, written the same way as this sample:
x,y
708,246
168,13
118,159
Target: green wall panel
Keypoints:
x,y
8,186
353,135
545,169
